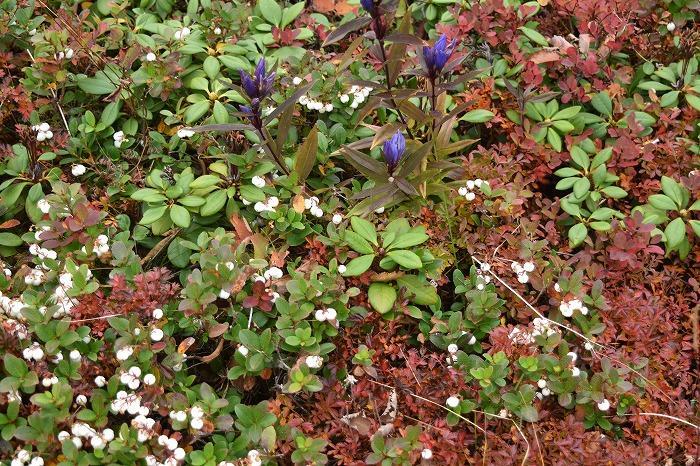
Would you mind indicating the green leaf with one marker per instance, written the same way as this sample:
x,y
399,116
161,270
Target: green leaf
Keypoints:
x,y
214,203
358,265
581,187
211,67
180,216
110,113
528,413
10,239
580,156
290,13
534,36
554,139
382,297
566,113
271,11
196,111
406,259
577,234
695,225
205,181
14,366
693,101
566,172
153,214
97,86
675,232
614,192
662,201
478,116
365,229
601,102
358,243
672,189
410,239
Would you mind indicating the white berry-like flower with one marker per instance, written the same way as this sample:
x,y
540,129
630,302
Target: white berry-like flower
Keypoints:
x,y
583,310
463,191
470,185
671,26
557,287
426,454
100,381
320,315
331,313
157,334
78,170
150,56
179,454
575,371
452,402
119,138
296,80
470,196
337,218
523,278
472,340
565,309
196,423
588,346
243,350
314,362
529,266
452,348
379,210
342,268
81,400
75,355
604,405
541,383
258,181
149,379
217,30
546,391
572,355
157,313
274,273
344,98
182,33
478,182
223,294
69,53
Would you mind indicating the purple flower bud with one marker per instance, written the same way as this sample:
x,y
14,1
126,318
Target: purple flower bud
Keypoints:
x,y
369,6
393,150
260,84
436,57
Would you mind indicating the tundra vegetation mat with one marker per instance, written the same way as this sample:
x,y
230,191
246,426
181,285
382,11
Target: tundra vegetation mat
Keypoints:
x,y
446,232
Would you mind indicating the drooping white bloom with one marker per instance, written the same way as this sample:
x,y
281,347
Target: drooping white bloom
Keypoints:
x,y
243,350
342,268
149,379
78,170
258,181
542,383
337,218
529,266
331,313
223,294
150,56
470,196
296,80
184,133
426,454
182,33
196,423
344,98
452,402
452,348
320,315
575,371
273,273
100,381
119,138
43,205
604,405
671,26
157,313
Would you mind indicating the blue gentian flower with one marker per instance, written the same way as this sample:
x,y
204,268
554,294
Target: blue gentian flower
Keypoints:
x,y
369,6
259,85
436,57
393,150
